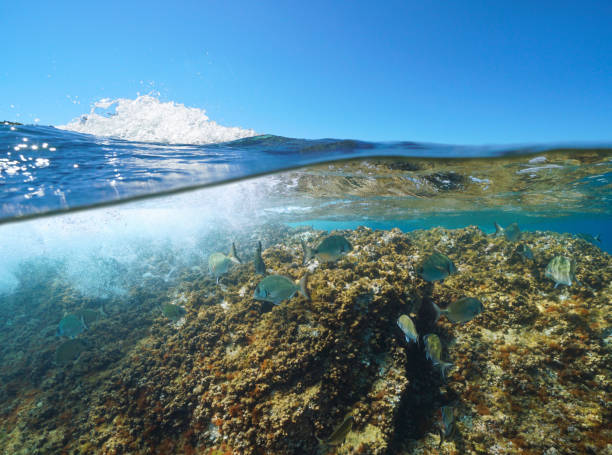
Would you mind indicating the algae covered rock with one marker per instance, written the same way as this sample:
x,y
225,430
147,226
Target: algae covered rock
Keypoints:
x,y
531,372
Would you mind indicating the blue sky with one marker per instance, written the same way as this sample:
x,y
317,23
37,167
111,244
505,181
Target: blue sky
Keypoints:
x,y
466,72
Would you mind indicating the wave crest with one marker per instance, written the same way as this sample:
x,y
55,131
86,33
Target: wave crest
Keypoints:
x,y
147,119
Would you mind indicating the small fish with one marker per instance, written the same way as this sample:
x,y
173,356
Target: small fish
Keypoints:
x,y
70,326
436,267
276,288
339,434
524,252
219,264
433,350
330,249
446,422
69,350
562,270
589,238
260,265
233,253
90,316
512,232
172,311
462,310
407,326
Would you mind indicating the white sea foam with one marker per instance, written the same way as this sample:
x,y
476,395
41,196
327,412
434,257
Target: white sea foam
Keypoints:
x,y
147,119
98,246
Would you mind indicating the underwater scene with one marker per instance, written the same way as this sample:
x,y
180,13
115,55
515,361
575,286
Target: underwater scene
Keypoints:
x,y
270,295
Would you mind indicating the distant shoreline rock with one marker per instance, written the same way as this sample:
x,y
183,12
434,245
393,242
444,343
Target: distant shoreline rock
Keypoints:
x,y
7,122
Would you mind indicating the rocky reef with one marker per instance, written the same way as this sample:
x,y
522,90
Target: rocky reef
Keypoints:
x,y
419,186
531,375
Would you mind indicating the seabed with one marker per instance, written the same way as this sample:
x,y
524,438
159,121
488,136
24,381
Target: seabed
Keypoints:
x,y
531,375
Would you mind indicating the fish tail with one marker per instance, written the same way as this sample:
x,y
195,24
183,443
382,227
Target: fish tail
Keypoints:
x,y
438,311
556,284
303,282
498,229
444,366
308,253
233,256
597,237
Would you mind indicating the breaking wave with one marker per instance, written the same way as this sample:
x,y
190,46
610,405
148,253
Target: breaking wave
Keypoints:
x,y
147,119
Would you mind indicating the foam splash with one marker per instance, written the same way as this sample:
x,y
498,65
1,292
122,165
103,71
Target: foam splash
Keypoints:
x,y
147,119
101,250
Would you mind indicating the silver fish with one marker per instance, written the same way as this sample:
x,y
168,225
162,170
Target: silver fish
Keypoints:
x,y
276,288
589,238
339,433
436,267
69,350
462,310
512,232
524,252
433,350
219,264
562,270
233,253
407,326
70,326
330,249
446,422
260,265
172,311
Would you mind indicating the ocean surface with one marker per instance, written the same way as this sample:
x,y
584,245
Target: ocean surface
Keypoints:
x,y
119,211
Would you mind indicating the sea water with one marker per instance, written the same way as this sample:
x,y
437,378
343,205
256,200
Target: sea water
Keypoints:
x,y
111,221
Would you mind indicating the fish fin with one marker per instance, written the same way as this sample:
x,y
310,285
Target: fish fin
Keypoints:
x,y
498,229
102,312
556,284
308,253
443,367
83,322
302,290
597,237
233,256
217,280
438,311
